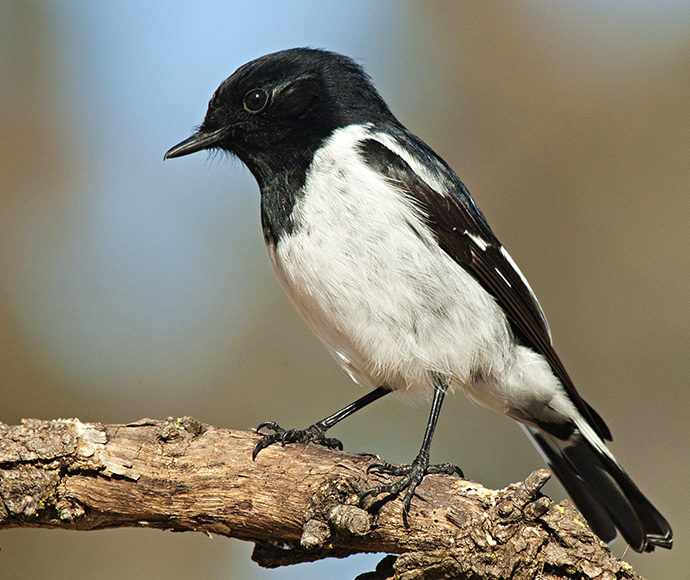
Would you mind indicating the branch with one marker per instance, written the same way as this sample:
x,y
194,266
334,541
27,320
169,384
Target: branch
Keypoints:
x,y
297,503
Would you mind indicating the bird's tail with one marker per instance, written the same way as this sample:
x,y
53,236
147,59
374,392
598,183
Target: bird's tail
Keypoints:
x,y
602,491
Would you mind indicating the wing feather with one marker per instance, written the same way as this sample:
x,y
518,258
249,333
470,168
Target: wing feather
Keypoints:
x,y
463,232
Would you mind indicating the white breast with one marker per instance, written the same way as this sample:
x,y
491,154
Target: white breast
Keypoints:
x,y
369,278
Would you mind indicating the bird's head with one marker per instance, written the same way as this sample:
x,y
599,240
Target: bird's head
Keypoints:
x,y
279,108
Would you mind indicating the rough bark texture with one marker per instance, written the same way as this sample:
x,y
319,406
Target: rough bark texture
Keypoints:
x,y
296,503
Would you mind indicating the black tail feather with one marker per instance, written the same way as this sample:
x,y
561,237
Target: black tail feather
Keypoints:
x,y
603,492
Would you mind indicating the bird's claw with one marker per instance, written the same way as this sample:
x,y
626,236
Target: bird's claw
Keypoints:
x,y
395,469
313,434
412,476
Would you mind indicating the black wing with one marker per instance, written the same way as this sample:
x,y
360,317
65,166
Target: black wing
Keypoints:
x,y
463,232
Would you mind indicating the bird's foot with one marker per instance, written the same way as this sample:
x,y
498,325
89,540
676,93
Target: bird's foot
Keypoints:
x,y
412,476
313,434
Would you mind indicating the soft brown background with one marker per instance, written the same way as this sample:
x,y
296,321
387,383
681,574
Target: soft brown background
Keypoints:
x,y
570,124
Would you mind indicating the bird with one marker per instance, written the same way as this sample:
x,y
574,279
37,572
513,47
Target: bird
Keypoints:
x,y
382,249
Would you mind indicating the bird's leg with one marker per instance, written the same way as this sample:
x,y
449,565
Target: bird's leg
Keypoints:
x,y
315,433
413,474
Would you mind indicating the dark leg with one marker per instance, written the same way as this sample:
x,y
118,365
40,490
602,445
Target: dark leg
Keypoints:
x,y
415,472
315,433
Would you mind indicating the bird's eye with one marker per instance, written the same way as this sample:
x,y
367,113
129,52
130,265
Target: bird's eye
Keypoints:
x,y
255,100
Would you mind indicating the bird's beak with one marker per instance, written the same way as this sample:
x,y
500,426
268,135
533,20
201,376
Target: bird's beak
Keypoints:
x,y
197,142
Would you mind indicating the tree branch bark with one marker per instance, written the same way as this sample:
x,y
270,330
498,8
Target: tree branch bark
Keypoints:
x,y
297,503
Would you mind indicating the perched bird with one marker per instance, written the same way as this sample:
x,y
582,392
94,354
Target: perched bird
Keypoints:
x,y
382,249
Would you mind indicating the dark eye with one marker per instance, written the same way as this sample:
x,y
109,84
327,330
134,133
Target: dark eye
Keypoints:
x,y
255,100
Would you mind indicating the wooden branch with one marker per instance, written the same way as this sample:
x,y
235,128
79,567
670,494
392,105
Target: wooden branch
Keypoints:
x,y
297,503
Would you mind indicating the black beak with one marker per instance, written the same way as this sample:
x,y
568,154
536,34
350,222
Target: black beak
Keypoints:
x,y
197,142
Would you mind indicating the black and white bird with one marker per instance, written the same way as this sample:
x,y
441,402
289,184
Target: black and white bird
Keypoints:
x,y
382,249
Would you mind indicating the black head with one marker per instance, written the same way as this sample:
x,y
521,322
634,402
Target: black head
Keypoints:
x,y
275,111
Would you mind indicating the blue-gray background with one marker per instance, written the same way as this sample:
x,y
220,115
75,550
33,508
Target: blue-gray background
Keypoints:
x,y
130,287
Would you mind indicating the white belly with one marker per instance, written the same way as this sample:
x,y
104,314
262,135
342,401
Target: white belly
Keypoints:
x,y
371,281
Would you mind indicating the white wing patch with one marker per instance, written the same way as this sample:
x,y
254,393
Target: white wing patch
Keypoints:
x,y
477,240
482,245
432,180
507,256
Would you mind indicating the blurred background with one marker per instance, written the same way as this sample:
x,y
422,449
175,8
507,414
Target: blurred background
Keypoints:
x,y
134,288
